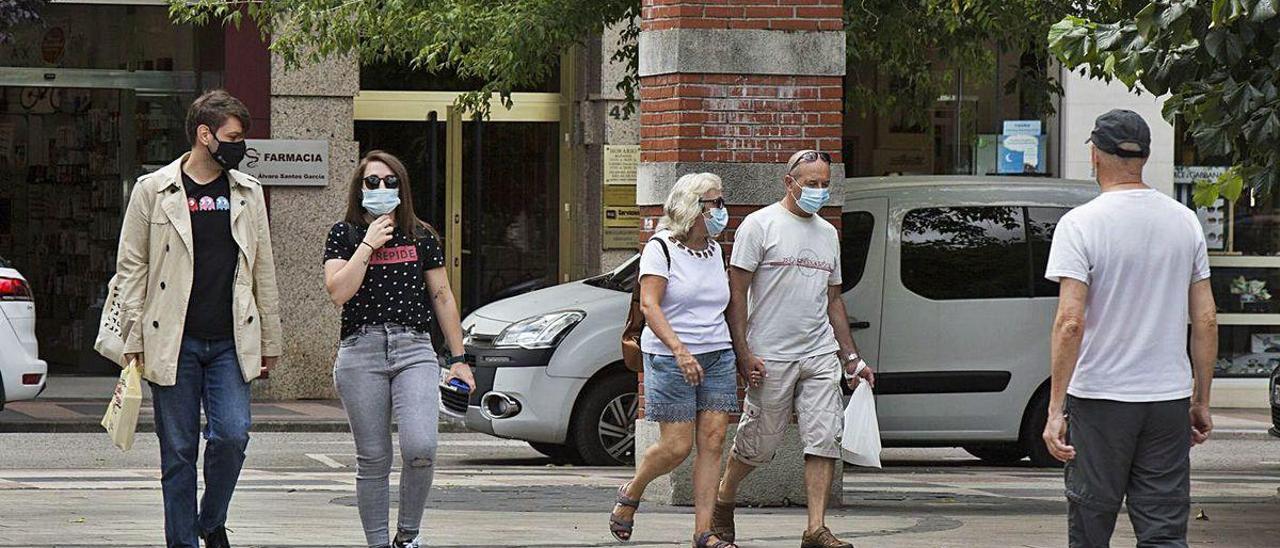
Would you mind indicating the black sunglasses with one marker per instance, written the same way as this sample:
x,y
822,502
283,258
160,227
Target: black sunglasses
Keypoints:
x,y
716,203
371,182
809,156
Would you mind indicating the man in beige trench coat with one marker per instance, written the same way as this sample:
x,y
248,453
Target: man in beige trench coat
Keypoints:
x,y
200,311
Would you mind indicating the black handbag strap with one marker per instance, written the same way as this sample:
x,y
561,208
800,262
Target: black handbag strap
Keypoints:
x,y
665,252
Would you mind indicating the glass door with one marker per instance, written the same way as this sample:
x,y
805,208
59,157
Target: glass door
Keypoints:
x,y
491,187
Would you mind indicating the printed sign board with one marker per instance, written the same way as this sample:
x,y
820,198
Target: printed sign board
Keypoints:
x,y
1021,153
1212,219
621,216
287,162
1022,127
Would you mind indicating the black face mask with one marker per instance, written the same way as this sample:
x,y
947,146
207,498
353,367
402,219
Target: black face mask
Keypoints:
x,y
229,153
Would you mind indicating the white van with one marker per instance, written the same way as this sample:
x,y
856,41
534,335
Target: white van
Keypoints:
x,y
945,290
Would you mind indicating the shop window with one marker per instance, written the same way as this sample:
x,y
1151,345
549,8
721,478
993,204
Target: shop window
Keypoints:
x,y
1246,290
113,37
90,100
966,253
855,245
1243,238
1247,350
1255,225
962,132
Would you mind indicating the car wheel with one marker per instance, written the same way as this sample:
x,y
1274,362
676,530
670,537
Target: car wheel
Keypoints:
x,y
1002,454
1032,441
604,423
559,454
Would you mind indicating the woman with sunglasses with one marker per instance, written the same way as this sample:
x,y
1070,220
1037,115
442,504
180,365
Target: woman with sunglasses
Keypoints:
x,y
690,376
384,267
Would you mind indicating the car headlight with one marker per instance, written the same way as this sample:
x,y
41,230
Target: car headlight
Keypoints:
x,y
543,331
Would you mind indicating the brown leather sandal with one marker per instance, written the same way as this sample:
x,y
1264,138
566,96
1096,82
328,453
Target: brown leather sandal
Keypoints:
x,y
704,536
621,528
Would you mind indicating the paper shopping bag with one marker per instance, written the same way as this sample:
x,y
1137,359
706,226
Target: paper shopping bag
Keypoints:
x,y
861,439
121,418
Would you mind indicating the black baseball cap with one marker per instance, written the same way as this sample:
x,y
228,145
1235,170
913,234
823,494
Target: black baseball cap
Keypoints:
x,y
1123,133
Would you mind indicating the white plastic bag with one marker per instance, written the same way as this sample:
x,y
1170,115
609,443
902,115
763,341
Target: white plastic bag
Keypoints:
x,y
861,440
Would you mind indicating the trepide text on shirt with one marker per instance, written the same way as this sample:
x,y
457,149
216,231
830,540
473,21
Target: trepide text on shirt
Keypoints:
x,y
392,255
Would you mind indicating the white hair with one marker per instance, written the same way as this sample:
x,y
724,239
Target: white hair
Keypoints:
x,y
682,208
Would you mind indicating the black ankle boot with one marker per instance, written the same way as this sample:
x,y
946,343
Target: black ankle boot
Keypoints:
x,y
216,538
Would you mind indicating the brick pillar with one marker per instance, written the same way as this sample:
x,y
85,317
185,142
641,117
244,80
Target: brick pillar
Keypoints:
x,y
734,88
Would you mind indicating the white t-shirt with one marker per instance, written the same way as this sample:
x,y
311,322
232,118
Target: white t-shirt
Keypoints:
x,y
1139,251
795,259
696,296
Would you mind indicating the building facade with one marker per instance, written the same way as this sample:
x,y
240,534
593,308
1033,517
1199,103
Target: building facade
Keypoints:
x,y
551,190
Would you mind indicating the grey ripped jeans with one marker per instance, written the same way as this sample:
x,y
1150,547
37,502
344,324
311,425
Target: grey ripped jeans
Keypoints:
x,y
383,369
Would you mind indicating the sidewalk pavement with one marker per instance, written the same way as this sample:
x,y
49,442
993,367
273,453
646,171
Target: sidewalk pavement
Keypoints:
x,y
77,403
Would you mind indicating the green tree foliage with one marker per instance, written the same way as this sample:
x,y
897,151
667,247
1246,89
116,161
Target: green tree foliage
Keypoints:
x,y
505,44
508,44
1217,60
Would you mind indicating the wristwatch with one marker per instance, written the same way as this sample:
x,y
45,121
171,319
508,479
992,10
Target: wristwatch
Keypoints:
x,y
845,359
454,360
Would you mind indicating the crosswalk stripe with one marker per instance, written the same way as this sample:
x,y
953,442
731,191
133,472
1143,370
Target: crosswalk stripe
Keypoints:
x,y
325,460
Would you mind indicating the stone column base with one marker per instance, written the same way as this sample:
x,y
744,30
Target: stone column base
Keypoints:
x,y
780,483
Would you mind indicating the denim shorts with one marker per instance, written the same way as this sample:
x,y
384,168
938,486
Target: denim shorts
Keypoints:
x,y
668,398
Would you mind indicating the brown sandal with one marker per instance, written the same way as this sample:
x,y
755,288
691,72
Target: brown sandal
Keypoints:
x,y
822,538
722,520
705,535
621,528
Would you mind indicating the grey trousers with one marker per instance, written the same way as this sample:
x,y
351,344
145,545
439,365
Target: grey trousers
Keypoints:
x,y
380,370
1138,453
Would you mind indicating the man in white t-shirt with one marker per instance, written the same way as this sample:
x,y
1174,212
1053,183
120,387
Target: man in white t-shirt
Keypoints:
x,y
1125,408
792,343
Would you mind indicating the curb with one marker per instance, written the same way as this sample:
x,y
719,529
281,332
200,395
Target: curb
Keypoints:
x,y
83,427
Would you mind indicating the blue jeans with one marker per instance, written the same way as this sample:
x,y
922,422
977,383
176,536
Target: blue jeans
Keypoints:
x,y
384,371
208,374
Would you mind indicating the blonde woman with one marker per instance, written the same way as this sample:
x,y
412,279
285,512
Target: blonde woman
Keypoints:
x,y
690,376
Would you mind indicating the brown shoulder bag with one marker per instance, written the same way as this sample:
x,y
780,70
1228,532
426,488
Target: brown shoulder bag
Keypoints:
x,y
632,356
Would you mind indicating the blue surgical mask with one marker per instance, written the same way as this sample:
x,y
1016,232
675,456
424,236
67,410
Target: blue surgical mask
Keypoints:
x,y
717,222
381,201
812,199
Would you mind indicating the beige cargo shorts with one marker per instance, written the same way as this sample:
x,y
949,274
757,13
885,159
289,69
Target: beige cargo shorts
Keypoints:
x,y
811,389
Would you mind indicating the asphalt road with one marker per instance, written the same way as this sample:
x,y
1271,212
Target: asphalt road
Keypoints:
x,y
299,451
72,490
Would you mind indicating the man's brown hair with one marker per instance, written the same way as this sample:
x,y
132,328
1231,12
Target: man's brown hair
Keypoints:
x,y
212,109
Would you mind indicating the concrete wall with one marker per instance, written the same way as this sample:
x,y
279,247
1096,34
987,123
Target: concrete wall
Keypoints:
x,y
602,125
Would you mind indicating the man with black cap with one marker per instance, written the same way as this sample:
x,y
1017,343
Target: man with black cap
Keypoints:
x,y
1125,407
